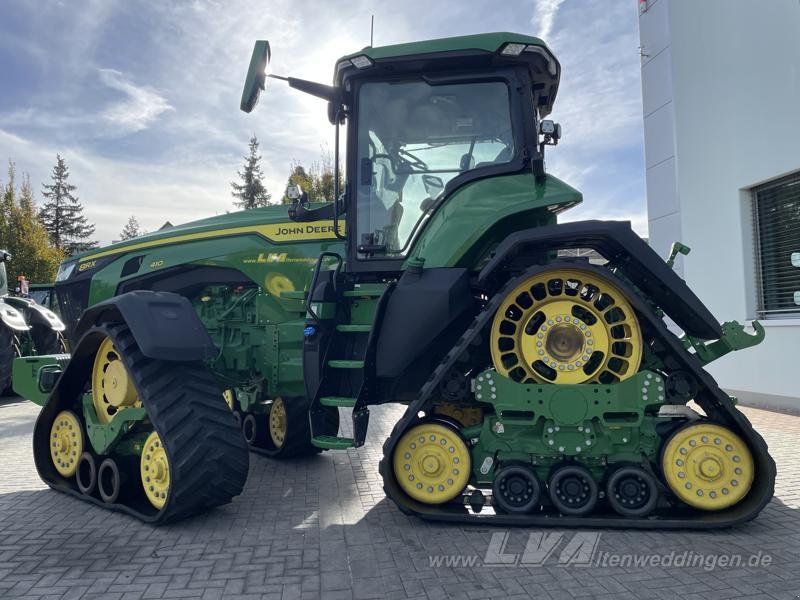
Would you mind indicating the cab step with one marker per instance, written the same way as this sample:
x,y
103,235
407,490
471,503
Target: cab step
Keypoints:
x,y
354,328
346,364
338,401
331,442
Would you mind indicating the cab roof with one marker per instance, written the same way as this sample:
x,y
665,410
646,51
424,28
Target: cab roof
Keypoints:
x,y
480,50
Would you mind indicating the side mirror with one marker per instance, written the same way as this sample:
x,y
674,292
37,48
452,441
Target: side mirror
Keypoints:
x,y
4,256
256,75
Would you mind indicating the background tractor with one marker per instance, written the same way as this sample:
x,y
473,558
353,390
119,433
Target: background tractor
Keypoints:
x,y
540,390
26,328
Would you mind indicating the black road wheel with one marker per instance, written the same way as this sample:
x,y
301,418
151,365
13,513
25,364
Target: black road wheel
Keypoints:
x,y
254,428
516,489
86,474
573,490
109,480
632,492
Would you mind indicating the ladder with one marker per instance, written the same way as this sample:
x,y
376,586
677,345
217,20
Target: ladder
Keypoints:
x,y
350,358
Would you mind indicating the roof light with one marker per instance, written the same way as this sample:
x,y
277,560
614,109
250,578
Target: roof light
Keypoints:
x,y
512,49
361,61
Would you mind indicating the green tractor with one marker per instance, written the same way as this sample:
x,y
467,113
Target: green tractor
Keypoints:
x,y
540,389
26,328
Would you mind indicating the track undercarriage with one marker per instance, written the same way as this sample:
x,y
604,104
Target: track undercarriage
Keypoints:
x,y
614,445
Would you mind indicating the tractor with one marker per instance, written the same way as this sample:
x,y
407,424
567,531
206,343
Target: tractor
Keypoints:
x,y
541,389
26,328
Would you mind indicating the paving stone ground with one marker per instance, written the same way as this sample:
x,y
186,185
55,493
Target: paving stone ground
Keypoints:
x,y
322,528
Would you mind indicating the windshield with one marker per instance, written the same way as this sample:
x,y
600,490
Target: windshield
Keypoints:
x,y
413,138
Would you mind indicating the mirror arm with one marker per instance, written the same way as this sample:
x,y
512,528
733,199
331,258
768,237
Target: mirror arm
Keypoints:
x,y
320,90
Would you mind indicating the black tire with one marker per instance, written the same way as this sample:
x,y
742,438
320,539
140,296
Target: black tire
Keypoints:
x,y
632,492
8,352
109,480
47,341
573,490
516,489
254,428
86,474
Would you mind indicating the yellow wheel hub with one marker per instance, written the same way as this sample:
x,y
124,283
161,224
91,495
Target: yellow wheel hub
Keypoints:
x,y
154,470
112,387
66,442
707,466
277,283
277,422
566,326
432,463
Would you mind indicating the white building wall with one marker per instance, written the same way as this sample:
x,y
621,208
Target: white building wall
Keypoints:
x,y
721,103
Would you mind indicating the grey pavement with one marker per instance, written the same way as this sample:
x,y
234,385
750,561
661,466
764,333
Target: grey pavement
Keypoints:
x,y
322,528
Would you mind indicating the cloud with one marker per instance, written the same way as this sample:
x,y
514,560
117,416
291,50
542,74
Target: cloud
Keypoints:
x,y
139,109
544,15
142,99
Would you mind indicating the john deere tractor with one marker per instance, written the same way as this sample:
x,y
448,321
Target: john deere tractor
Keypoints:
x,y
540,389
26,328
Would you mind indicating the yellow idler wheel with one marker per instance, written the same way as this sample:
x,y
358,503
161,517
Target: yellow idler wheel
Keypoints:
x,y
707,466
566,326
113,389
66,442
154,470
278,423
432,463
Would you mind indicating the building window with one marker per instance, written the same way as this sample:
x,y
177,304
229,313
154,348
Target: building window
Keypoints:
x,y
776,215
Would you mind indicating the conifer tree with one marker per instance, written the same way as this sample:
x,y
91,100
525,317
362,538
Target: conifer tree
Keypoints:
x,y
62,213
251,193
131,230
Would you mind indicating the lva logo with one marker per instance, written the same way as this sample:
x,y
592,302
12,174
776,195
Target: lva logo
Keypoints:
x,y
551,547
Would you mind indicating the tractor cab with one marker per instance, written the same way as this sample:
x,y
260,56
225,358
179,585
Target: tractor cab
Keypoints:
x,y
424,120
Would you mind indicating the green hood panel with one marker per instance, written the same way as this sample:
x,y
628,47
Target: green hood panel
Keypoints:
x,y
271,223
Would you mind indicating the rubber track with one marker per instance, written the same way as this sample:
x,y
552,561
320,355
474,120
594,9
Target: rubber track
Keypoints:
x,y
207,454
711,398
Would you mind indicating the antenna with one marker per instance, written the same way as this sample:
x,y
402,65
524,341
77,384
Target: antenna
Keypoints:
x,y
371,29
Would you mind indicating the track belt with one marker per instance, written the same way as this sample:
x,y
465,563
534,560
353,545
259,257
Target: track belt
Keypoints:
x,y
710,397
208,458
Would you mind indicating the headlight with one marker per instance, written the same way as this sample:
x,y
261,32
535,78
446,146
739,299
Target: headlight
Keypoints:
x,y
65,270
361,61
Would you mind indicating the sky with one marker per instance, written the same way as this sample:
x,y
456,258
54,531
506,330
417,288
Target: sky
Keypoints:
x,y
141,98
